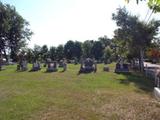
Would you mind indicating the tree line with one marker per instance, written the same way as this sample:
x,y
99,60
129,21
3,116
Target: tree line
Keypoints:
x,y
72,50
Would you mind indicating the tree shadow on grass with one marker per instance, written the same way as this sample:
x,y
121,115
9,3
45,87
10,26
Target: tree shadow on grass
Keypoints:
x,y
139,80
80,73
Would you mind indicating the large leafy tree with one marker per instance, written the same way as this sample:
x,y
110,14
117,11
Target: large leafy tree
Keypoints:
x,y
60,52
14,31
69,49
97,50
37,52
30,55
77,50
135,34
52,53
44,52
105,41
87,47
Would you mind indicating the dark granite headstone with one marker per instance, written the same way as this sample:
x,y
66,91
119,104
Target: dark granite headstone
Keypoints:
x,y
87,66
36,66
52,67
121,68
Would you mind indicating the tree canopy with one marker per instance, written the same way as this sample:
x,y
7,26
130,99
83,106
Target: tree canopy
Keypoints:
x,y
133,34
14,30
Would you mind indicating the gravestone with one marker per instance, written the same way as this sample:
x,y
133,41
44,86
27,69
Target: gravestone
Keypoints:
x,y
106,68
121,68
87,66
36,66
22,66
63,64
52,67
60,64
22,62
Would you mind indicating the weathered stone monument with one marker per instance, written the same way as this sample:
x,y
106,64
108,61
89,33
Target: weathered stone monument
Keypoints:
x,y
106,68
36,66
121,67
22,62
88,65
52,66
60,64
63,64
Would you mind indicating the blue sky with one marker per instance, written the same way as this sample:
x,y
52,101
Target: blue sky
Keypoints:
x,y
55,22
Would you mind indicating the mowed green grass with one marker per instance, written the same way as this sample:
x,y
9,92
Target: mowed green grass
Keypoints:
x,y
68,96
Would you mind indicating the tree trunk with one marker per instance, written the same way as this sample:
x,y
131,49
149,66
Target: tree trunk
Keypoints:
x,y
141,60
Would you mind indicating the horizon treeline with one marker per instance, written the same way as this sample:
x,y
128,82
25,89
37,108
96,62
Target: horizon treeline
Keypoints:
x,y
100,50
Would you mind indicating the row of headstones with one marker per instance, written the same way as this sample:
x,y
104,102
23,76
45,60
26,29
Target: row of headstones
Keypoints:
x,y
87,66
51,66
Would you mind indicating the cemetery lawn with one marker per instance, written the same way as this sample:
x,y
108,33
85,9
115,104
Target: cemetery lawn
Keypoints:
x,y
68,96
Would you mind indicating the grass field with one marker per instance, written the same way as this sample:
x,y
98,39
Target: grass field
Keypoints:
x,y
68,96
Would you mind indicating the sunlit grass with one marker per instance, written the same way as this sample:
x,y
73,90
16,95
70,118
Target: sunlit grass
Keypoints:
x,y
68,96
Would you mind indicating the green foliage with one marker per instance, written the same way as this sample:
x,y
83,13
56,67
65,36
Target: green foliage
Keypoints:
x,y
30,55
132,33
52,53
77,50
105,41
37,52
69,49
60,52
154,5
14,31
44,52
87,47
73,49
97,50
108,53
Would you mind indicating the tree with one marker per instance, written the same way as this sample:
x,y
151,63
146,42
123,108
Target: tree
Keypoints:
x,y
69,49
97,50
105,41
154,5
87,47
136,34
60,52
37,52
14,31
30,55
52,53
107,54
77,50
44,52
